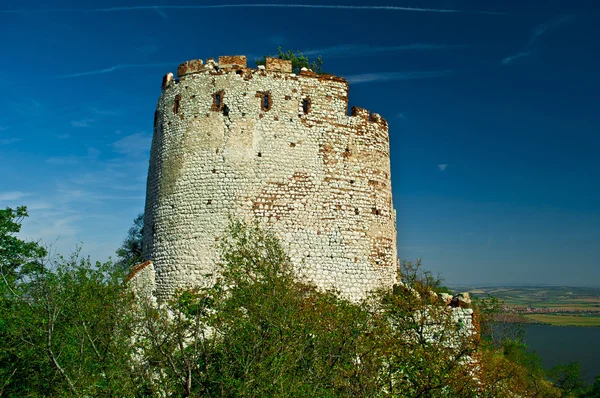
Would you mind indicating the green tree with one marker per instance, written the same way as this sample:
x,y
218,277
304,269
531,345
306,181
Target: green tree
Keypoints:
x,y
64,322
130,252
569,380
594,391
67,322
15,254
427,349
258,331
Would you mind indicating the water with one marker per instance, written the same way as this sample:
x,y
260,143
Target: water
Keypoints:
x,y
564,344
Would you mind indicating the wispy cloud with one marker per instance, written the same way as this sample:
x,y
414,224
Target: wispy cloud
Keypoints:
x,y
512,58
535,36
69,160
83,123
8,141
133,145
349,50
161,12
539,30
118,67
401,115
12,196
390,76
442,167
256,5
106,112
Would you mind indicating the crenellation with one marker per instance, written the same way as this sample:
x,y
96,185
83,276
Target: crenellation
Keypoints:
x,y
268,144
189,67
235,62
278,65
167,80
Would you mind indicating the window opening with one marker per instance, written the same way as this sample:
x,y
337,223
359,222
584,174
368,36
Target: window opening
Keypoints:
x,y
218,99
305,105
265,100
176,104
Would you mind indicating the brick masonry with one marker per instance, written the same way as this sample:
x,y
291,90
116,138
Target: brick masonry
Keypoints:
x,y
271,145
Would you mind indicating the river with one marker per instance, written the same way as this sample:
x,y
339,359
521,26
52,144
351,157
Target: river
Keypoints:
x,y
564,344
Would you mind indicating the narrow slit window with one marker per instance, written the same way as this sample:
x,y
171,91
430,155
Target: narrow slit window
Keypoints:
x,y
176,104
265,100
218,101
306,105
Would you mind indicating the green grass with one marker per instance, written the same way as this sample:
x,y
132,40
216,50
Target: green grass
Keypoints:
x,y
565,320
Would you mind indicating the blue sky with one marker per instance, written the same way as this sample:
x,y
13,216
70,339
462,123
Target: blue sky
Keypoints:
x,y
492,106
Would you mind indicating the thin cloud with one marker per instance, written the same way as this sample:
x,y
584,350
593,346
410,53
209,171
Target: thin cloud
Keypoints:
x,y
358,49
218,6
106,112
512,58
401,115
116,68
12,196
84,123
539,30
92,155
391,76
8,141
535,36
442,167
160,12
133,145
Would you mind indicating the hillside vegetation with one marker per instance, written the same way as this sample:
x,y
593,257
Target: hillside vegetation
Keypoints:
x,y
70,327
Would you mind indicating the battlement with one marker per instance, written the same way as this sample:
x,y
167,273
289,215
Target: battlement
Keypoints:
x,y
237,65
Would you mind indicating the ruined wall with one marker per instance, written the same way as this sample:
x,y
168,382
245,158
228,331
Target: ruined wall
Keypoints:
x,y
266,143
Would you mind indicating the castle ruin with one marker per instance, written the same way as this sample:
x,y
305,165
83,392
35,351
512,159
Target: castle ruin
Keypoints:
x,y
275,146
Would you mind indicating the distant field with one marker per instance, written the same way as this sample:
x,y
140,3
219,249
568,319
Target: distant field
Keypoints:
x,y
576,306
565,320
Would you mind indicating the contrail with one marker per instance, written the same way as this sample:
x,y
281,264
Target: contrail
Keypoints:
x,y
116,67
358,49
391,76
216,6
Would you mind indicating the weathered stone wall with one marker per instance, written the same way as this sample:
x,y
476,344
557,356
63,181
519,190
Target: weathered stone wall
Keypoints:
x,y
266,143
141,280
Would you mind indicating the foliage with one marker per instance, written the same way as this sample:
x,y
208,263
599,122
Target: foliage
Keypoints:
x,y
130,252
15,254
428,351
257,331
493,327
569,380
71,328
299,61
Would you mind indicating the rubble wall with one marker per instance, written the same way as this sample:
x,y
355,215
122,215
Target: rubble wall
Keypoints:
x,y
268,144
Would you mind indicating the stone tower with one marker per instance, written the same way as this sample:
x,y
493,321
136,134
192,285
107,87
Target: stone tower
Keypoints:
x,y
279,147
